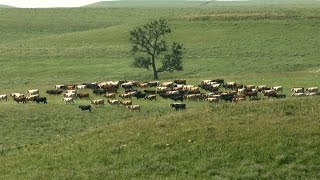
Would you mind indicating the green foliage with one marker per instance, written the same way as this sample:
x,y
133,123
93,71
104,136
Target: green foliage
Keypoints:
x,y
149,40
172,60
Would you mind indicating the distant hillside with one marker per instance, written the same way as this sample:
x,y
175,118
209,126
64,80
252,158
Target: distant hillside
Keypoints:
x,y
145,3
5,6
192,3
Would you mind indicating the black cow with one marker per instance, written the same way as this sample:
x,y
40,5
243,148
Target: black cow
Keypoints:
x,y
40,99
227,97
140,95
85,107
178,106
99,91
54,92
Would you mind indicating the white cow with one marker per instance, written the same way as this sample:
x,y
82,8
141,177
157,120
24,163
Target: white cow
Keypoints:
x,y
68,100
33,91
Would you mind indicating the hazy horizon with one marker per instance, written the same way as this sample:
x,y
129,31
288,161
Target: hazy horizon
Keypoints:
x,y
47,3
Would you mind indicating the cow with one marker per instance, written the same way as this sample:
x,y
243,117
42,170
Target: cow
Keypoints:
x,y
151,97
212,100
4,97
60,86
125,103
153,83
54,92
16,95
97,102
70,95
180,81
83,96
33,91
71,91
165,95
85,107
167,84
133,108
178,106
297,90
177,98
110,95
263,87
147,91
20,99
298,94
251,94
313,94
71,87
140,95
312,89
277,88
230,85
113,101
227,97
40,99
81,86
31,97
270,93
143,84
125,96
68,100
278,96
99,91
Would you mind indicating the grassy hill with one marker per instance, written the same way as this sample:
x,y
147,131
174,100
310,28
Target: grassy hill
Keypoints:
x,y
269,139
198,3
5,6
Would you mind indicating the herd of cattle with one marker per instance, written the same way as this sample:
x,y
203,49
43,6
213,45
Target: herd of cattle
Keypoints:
x,y
212,91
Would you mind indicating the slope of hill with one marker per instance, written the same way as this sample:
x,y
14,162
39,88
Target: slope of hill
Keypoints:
x,y
197,3
5,6
267,139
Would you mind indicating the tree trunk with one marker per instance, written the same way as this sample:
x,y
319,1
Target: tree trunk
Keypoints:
x,y
155,72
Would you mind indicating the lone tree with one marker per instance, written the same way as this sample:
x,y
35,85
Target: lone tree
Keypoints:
x,y
149,45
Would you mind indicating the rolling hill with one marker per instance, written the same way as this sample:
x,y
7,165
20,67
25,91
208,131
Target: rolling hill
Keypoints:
x,y
266,139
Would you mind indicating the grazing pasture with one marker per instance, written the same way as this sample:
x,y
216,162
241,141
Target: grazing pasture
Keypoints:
x,y
248,44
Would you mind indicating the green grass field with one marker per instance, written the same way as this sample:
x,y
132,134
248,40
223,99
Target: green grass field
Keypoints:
x,y
250,44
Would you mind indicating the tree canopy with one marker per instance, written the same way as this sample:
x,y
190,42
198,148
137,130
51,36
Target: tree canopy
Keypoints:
x,y
149,45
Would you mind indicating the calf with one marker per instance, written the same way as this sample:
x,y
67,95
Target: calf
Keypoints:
x,y
178,106
85,107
